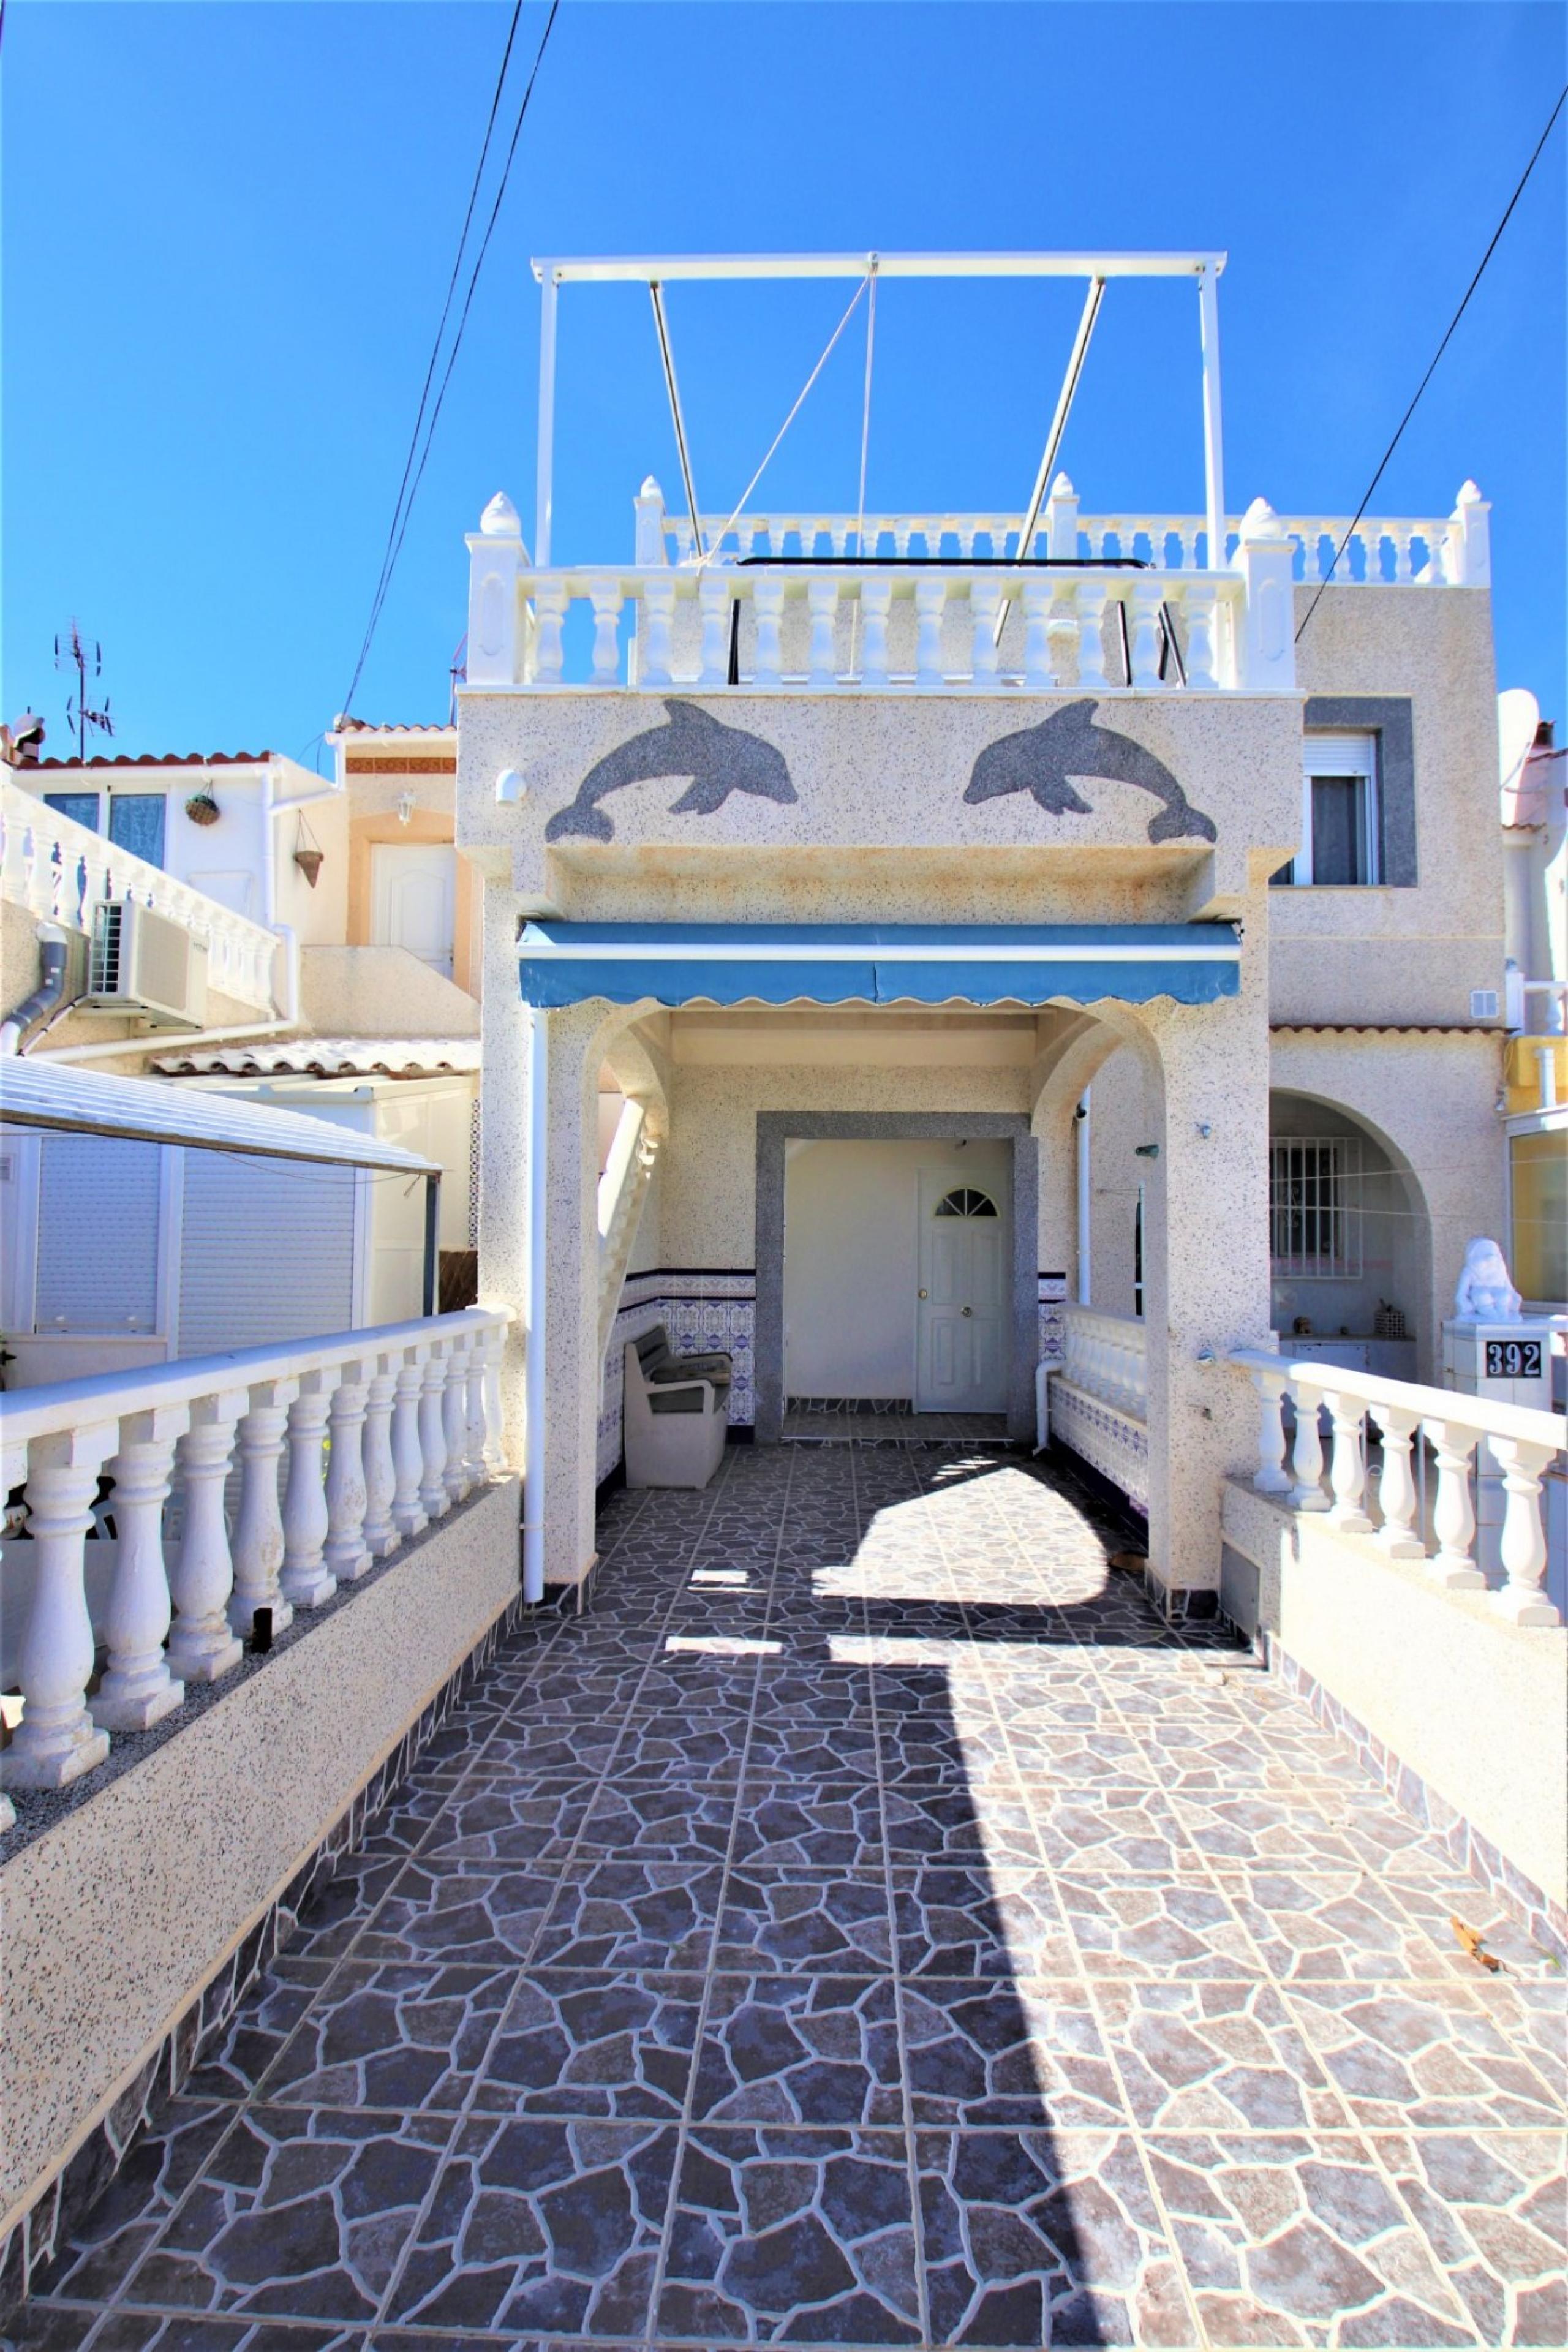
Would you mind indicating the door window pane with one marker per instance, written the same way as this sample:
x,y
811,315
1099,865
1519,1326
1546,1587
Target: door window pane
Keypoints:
x,y
1337,829
136,822
80,807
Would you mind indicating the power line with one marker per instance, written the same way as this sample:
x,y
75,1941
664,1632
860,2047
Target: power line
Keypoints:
x,y
414,471
1497,232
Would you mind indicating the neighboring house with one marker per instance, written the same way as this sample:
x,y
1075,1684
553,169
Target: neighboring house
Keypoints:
x,y
1535,848
1235,899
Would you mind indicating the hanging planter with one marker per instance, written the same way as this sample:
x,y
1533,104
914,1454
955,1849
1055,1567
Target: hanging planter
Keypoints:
x,y
308,857
200,808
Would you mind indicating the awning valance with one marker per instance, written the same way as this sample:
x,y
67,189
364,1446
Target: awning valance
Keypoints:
x,y
877,963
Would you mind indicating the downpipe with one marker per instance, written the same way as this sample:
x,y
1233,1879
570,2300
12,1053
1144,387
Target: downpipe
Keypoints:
x,y
49,996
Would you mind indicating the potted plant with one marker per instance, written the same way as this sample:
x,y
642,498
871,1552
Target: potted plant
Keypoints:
x,y
200,808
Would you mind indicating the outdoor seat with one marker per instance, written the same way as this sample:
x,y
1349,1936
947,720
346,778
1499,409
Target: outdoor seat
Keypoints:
x,y
674,1415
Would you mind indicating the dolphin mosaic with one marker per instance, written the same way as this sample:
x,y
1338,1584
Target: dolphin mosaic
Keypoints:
x,y
718,759
1043,760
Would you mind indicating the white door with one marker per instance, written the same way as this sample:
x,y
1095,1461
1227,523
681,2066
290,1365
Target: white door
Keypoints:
x,y
962,1312
412,899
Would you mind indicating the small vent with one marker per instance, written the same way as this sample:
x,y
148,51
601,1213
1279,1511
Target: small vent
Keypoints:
x,y
1483,1003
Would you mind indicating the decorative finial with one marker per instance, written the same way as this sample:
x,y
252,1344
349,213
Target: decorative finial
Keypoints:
x,y
500,519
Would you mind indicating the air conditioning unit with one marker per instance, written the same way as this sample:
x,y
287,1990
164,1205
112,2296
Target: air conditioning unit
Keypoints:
x,y
141,961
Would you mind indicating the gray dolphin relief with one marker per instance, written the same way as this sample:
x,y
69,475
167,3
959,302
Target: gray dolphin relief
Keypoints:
x,y
718,759
1041,760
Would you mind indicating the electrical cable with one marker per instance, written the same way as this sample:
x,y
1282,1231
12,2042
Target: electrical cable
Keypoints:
x,y
413,472
1497,232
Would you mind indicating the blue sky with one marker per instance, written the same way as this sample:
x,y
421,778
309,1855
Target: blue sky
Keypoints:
x,y
229,229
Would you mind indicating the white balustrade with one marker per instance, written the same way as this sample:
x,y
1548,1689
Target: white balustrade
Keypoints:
x,y
389,1408
1104,1356
1461,1431
60,870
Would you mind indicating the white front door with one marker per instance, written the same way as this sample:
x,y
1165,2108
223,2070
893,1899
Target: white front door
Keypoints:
x,y
412,899
962,1312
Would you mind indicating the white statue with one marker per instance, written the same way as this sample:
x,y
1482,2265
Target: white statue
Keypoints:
x,y
1485,1294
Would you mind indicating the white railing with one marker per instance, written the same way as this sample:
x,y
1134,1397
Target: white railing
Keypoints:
x,y
1523,1443
384,1429
1446,551
1105,1356
60,871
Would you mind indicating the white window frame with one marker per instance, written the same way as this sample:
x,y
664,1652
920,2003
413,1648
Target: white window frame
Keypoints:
x,y
1339,755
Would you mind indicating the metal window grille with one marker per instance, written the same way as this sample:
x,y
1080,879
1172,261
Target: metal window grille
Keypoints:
x,y
1314,1206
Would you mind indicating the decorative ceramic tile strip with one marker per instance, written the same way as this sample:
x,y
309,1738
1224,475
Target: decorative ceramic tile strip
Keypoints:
x,y
1468,1849
33,2240
1112,1443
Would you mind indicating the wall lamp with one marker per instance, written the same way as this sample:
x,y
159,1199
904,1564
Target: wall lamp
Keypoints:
x,y
1146,1151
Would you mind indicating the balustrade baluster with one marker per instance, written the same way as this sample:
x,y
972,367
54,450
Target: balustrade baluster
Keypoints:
x,y
1307,1455
305,1579
1523,1545
455,1419
550,600
1061,635
1200,618
985,597
656,649
876,603
1454,1514
930,604
1147,597
57,1739
202,1646
1270,1476
1400,535
433,1493
822,602
1092,595
767,603
713,603
1435,569
347,1554
378,1533
605,596
1370,536
258,1536
474,1463
408,1513
137,1690
1397,1486
1037,650
1347,1464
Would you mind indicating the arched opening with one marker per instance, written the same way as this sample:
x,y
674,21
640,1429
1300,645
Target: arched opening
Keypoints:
x,y
1349,1241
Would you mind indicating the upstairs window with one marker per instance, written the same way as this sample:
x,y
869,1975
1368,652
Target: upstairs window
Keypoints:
x,y
136,820
1339,824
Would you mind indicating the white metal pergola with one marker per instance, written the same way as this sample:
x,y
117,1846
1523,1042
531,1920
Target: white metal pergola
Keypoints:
x,y
655,270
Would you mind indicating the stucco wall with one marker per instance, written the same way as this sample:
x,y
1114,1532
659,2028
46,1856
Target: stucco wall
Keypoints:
x,y
118,1913
381,992
1120,1117
1353,954
1470,1704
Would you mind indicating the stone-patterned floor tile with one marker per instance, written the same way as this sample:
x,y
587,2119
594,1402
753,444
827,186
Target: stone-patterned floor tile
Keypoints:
x,y
558,1746
535,1819
332,1922
800,2049
786,2236
398,2034
1045,2238
1079,1760
1341,1927
1114,1826
653,1820
462,1912
918,1753
1213,2053
303,2213
541,2226
817,1824
1423,2057
205,2331
107,2244
1022,2050
1263,1829
782,1752
633,1915
957,1920
614,2043
702,1743
1158,1927
1494,2208
962,1822
1295,2238
238,2057
804,1921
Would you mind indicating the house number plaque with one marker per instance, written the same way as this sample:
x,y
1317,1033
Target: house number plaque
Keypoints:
x,y
1513,1359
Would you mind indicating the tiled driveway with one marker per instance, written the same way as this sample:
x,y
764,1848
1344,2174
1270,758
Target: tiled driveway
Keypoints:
x,y
870,1926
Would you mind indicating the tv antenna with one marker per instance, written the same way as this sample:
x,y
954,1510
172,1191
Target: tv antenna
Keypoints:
x,y
87,662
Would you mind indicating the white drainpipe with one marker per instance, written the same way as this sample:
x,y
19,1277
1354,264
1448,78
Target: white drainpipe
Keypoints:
x,y
1084,1283
534,1390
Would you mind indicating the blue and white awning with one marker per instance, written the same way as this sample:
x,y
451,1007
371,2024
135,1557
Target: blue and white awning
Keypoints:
x,y
878,964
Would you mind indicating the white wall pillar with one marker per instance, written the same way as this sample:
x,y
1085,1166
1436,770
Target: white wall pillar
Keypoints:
x,y
503,1151
572,1292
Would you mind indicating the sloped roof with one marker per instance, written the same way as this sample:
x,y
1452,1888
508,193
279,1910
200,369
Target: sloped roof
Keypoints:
x,y
331,1057
146,1111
